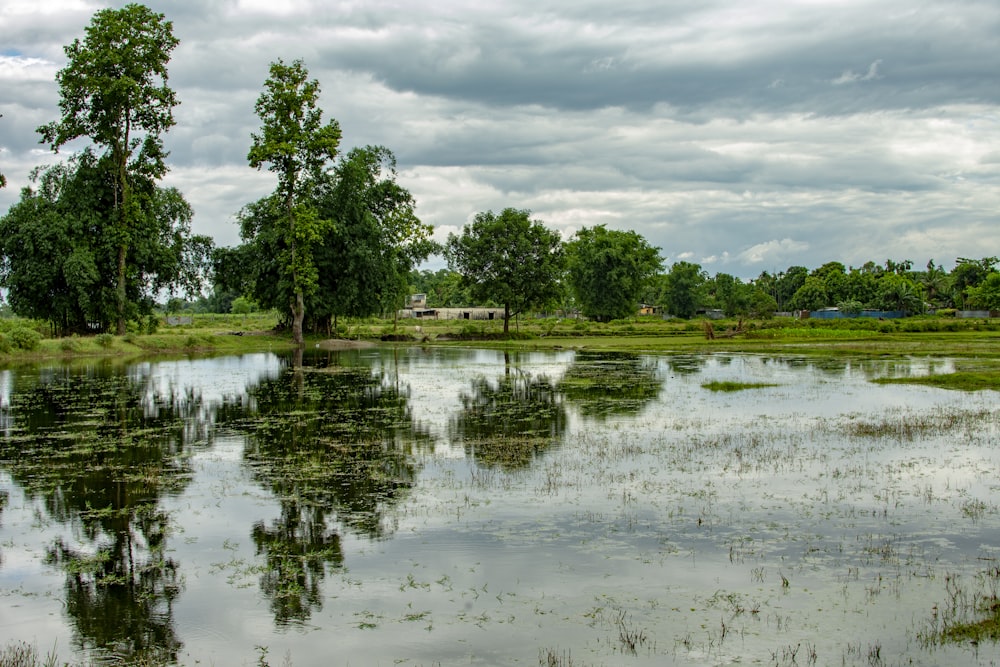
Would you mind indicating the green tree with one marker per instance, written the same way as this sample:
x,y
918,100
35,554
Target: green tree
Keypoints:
x,y
783,285
834,278
609,270
58,256
114,91
364,259
986,295
762,304
861,286
897,292
970,273
811,296
936,284
297,147
684,289
509,258
732,295
376,241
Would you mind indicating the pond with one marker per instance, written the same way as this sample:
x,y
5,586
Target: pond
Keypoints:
x,y
474,507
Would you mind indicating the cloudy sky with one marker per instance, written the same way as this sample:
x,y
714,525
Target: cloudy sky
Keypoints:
x,y
743,136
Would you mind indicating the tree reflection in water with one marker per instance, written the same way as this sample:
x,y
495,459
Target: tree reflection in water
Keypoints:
x,y
99,450
606,383
332,443
507,423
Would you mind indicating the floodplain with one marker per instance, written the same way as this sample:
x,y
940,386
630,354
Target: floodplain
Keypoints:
x,y
454,505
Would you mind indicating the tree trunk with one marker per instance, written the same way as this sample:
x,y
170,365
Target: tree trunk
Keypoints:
x,y
506,319
298,313
120,290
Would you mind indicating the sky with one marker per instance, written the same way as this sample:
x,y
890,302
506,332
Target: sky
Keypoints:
x,y
742,136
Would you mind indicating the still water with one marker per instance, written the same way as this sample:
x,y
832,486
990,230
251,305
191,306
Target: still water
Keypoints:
x,y
470,507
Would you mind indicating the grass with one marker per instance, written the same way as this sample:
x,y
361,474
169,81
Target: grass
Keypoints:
x,y
970,613
735,386
960,380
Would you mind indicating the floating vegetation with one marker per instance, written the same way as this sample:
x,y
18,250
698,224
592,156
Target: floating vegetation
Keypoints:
x,y
397,499
736,386
959,380
969,614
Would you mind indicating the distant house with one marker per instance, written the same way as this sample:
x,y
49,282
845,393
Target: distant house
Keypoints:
x,y
646,309
418,301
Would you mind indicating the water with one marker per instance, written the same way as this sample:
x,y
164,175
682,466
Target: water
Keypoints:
x,y
443,506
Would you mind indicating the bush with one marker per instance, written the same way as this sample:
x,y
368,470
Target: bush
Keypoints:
x,y
25,339
5,344
105,340
69,344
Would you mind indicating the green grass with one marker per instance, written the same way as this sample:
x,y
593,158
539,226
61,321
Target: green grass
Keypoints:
x,y
211,333
735,386
960,381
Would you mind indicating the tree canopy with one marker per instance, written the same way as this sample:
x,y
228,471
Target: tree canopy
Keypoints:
x,y
509,258
297,146
373,240
609,270
59,257
114,92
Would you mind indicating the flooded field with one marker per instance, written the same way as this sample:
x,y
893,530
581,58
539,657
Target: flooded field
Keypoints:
x,y
471,507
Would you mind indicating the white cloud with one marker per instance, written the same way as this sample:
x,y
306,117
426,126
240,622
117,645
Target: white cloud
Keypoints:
x,y
712,129
850,76
780,251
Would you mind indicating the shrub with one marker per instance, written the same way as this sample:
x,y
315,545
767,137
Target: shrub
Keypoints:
x,y
5,344
24,338
105,340
69,344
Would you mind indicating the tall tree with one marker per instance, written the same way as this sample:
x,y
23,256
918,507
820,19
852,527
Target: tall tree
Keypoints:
x,y
297,146
376,241
58,260
684,289
986,294
609,270
114,91
510,259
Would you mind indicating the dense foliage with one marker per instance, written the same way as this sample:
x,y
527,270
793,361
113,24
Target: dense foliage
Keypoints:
x,y
59,252
362,261
297,146
516,261
609,270
114,92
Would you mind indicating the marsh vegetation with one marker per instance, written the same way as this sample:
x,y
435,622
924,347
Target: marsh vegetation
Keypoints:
x,y
446,505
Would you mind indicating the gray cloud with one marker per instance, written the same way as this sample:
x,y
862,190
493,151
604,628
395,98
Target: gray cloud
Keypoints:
x,y
747,136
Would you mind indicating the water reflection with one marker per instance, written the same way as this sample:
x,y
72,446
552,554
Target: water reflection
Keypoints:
x,y
84,447
506,423
647,477
612,383
333,444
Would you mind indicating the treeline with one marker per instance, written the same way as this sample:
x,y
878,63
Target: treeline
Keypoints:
x,y
686,289
96,241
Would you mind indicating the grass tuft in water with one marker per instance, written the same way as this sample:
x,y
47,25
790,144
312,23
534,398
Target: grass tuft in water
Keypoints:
x,y
735,386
